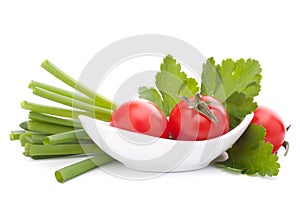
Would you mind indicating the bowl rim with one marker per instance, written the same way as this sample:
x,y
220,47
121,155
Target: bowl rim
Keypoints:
x,y
244,122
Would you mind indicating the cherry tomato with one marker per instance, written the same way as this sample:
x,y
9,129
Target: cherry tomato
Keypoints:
x,y
273,124
141,116
187,123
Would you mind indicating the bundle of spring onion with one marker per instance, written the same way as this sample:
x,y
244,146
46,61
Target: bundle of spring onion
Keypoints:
x,y
55,132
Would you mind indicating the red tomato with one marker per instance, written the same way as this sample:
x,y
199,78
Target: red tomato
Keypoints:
x,y
273,124
187,123
141,116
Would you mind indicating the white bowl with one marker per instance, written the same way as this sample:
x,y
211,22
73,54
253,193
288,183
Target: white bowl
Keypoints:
x,y
152,154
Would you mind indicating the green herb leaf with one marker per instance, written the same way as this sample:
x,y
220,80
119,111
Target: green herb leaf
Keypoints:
x,y
152,95
238,77
235,84
252,155
238,106
171,82
210,79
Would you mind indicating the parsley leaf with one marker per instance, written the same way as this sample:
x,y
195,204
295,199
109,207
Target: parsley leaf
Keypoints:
x,y
235,84
210,79
238,106
252,155
171,82
152,95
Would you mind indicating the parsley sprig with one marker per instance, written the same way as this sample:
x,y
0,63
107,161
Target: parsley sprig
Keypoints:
x,y
252,155
171,82
235,84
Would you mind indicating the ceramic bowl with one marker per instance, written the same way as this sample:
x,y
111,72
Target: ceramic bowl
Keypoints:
x,y
152,154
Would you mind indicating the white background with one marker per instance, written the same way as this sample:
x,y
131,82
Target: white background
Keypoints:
x,y
69,33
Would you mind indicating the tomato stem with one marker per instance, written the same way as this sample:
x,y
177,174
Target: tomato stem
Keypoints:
x,y
201,107
286,146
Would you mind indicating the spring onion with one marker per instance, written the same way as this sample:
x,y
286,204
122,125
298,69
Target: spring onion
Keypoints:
x,y
71,171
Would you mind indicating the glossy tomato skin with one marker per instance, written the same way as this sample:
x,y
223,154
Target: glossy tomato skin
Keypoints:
x,y
272,122
188,124
141,116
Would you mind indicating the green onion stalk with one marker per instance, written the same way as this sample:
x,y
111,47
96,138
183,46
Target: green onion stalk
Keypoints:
x,y
52,131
